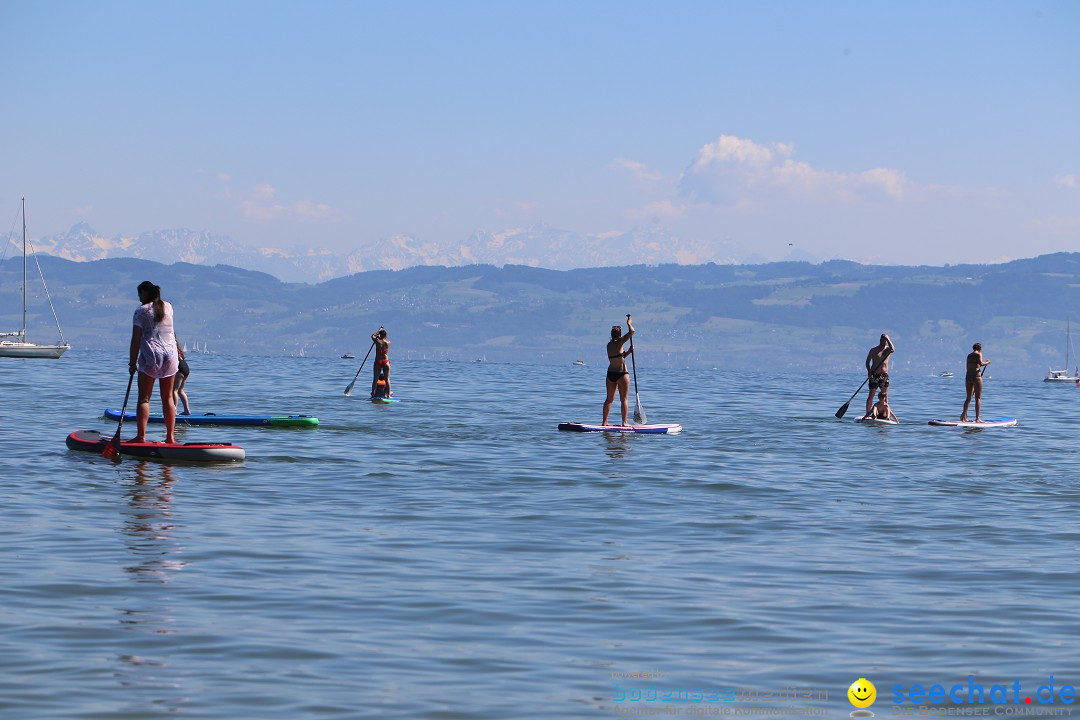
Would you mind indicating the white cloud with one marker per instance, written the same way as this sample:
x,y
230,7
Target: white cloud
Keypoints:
x,y
259,211
734,170
662,209
306,208
260,205
729,149
639,170
890,182
263,193
1066,181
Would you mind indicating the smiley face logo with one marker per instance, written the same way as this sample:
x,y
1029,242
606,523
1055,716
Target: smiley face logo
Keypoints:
x,y
862,693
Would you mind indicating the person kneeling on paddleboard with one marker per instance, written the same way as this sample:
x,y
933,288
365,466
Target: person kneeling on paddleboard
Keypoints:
x,y
881,409
382,365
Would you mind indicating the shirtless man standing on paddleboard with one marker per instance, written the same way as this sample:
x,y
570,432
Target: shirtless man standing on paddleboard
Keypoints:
x,y
877,369
973,381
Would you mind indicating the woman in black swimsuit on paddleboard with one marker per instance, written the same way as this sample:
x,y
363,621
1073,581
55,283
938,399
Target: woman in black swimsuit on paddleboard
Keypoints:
x,y
617,376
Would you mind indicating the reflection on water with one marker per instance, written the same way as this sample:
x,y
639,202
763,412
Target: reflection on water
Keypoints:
x,y
618,445
149,522
147,529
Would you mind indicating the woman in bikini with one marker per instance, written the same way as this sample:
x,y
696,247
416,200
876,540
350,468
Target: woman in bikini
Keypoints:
x,y
973,382
382,364
153,353
617,376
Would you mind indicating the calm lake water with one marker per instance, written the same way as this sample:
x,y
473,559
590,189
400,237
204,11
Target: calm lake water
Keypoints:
x,y
455,556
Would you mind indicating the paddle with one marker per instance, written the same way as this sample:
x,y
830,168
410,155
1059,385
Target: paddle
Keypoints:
x,y
348,390
112,448
639,412
844,407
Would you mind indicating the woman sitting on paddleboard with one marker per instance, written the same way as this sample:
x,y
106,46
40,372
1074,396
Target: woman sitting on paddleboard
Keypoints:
x,y
382,364
154,354
617,376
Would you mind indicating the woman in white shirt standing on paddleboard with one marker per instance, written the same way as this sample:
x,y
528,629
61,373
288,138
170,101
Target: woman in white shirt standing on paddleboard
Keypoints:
x,y
154,354
617,376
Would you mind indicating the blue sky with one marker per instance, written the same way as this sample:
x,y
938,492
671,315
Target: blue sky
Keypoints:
x,y
915,132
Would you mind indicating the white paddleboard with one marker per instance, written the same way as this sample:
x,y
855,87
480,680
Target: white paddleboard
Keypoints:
x,y
661,429
993,422
876,421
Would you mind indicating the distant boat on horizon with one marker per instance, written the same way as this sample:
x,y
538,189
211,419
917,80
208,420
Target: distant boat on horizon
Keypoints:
x,y
1062,376
579,362
348,356
19,346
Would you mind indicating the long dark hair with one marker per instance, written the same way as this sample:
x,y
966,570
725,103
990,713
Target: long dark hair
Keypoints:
x,y
153,293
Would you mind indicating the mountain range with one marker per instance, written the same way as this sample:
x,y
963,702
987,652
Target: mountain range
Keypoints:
x,y
534,246
787,316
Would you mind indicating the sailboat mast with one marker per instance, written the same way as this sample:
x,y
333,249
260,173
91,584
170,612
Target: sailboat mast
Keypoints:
x,y
22,334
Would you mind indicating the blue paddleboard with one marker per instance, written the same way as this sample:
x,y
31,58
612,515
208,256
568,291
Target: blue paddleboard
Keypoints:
x,y
215,419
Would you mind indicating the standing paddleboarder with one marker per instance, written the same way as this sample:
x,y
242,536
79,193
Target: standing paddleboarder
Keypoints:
x,y
154,355
381,367
618,378
877,369
973,381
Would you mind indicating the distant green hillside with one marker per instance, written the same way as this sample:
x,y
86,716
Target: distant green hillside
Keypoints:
x,y
791,316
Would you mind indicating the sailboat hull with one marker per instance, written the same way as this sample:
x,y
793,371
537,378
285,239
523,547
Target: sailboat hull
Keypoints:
x,y
31,350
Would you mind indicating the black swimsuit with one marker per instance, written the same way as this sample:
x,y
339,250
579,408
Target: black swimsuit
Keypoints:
x,y
615,376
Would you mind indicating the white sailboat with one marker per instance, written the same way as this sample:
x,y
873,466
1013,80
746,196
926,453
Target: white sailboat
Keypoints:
x,y
1063,376
14,344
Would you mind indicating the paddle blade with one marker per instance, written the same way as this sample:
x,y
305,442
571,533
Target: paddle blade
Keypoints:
x,y
843,409
348,390
111,451
639,412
